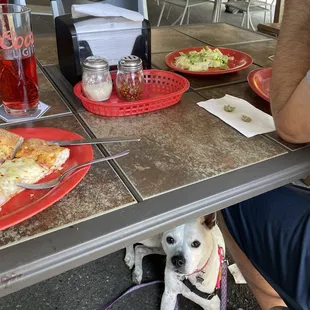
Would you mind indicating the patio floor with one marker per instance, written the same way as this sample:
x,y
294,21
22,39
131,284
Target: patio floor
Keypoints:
x,y
199,14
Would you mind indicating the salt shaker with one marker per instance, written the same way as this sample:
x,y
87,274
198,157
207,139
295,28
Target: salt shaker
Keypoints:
x,y
130,78
96,79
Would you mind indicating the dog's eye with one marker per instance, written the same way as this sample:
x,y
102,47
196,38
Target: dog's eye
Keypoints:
x,y
195,244
170,240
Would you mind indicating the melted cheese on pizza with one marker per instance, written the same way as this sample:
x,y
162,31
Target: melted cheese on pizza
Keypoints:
x,y
46,154
18,170
9,143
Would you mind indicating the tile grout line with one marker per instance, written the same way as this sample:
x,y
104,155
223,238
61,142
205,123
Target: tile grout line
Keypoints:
x,y
114,165
266,135
219,45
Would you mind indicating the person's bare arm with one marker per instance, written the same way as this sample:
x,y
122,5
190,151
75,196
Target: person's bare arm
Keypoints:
x,y
290,90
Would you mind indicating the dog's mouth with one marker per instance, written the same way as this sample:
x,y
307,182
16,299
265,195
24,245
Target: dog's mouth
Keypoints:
x,y
179,271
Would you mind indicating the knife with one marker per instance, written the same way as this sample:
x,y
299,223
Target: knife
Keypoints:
x,y
94,141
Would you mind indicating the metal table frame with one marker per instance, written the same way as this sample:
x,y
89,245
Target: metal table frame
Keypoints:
x,y
43,257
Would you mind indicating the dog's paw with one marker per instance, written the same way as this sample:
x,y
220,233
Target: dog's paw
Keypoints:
x,y
129,261
137,276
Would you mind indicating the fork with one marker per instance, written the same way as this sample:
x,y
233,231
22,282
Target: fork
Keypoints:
x,y
55,182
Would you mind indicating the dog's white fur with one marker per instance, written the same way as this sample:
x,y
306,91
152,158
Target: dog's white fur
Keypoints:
x,y
210,238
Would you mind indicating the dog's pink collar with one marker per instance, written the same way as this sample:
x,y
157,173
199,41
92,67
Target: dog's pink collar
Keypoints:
x,y
222,257
219,277
198,270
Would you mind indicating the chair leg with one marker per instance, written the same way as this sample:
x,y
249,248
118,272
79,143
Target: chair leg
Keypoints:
x,y
169,11
161,14
248,19
243,19
214,13
251,23
188,14
183,16
219,13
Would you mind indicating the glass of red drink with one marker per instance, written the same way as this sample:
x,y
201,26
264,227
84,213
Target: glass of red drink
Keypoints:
x,y
18,73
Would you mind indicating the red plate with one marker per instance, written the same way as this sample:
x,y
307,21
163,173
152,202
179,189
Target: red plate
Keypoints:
x,y
31,202
259,81
241,61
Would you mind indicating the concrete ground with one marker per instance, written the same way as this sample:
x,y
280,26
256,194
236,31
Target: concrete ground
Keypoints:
x,y
199,14
91,286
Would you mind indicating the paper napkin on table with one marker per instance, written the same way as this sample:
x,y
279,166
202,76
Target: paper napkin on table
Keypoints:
x,y
104,10
261,122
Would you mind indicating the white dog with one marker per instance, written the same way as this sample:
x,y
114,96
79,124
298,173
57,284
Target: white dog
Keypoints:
x,y
194,253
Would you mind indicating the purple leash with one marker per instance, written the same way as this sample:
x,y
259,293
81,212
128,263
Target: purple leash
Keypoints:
x,y
224,285
137,287
133,289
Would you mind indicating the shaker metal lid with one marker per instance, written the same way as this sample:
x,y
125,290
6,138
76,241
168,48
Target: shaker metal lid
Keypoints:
x,y
130,63
95,63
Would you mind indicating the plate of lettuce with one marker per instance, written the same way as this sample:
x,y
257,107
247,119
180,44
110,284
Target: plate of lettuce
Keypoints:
x,y
208,60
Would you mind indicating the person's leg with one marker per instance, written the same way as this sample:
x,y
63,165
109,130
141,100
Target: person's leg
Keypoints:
x,y
272,231
266,296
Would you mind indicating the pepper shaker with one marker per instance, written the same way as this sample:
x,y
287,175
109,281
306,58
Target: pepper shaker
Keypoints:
x,y
130,78
96,79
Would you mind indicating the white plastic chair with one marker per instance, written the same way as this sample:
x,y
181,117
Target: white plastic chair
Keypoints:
x,y
36,9
58,6
186,4
248,7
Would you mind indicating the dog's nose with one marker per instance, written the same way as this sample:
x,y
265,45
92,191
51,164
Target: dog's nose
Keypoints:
x,y
178,261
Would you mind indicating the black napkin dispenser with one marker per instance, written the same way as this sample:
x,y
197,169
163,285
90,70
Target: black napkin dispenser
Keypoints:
x,y
79,38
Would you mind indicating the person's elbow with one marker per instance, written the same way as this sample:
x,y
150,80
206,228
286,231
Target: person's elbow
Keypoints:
x,y
292,117
290,129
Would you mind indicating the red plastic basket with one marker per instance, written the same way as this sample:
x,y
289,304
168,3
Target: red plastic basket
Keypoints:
x,y
162,89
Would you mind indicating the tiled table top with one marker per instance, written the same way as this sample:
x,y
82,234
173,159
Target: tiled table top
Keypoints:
x,y
260,51
180,145
167,40
221,34
46,49
100,191
50,96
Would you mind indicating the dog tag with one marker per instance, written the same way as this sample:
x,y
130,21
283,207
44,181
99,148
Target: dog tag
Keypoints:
x,y
199,279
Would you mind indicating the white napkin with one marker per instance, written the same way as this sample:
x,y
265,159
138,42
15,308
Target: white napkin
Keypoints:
x,y
236,273
261,122
105,34
104,10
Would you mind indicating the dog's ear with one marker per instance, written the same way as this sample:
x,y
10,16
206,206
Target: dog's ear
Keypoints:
x,y
209,220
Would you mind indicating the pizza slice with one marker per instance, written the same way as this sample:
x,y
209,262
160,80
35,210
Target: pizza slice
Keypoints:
x,y
47,155
34,160
18,170
9,144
